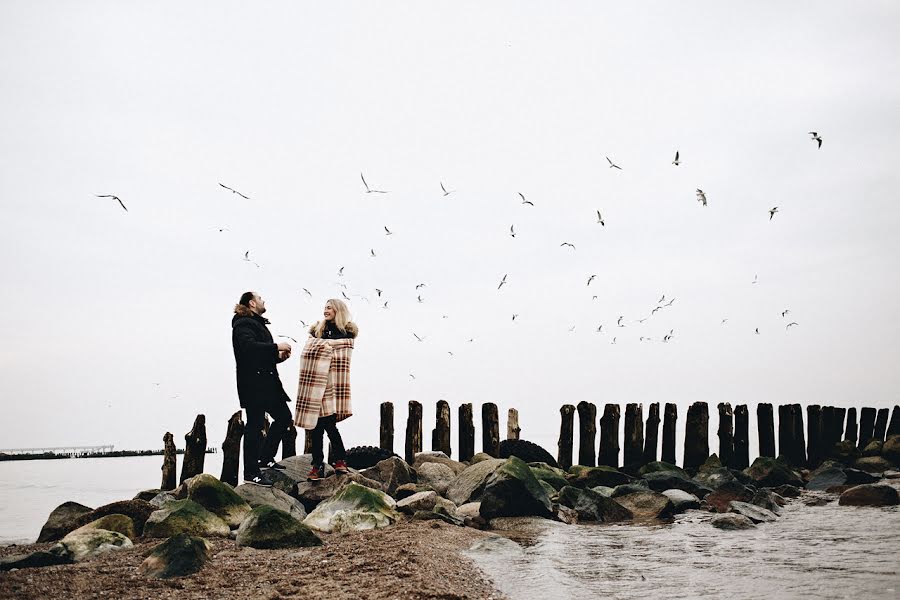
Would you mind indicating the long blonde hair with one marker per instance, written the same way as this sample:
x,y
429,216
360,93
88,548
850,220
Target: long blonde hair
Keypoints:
x,y
341,317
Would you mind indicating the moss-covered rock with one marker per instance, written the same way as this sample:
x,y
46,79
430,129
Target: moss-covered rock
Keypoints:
x,y
79,545
660,481
256,495
626,488
588,477
890,450
480,457
592,506
568,496
62,520
468,485
218,498
659,465
546,473
138,510
681,500
267,527
755,513
772,472
732,521
184,516
353,508
512,490
119,523
646,504
872,464
180,555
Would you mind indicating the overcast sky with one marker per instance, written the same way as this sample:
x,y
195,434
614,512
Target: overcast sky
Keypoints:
x,y
289,102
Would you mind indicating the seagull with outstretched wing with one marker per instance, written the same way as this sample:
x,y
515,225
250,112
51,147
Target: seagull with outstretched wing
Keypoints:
x,y
117,199
524,201
676,162
613,165
368,189
816,138
234,191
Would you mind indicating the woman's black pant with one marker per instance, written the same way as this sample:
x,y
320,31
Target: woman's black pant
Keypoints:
x,y
327,424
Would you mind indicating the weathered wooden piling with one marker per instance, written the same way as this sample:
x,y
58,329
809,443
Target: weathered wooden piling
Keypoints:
x,y
741,458
814,438
634,436
726,433
512,424
490,429
852,430
566,436
837,429
231,449
670,419
866,426
881,422
194,449
696,436
765,423
169,465
587,433
386,427
791,438
651,433
413,431
289,442
440,435
894,427
609,437
466,432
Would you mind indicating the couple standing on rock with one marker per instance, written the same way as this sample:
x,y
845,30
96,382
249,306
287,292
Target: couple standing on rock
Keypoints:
x,y
323,397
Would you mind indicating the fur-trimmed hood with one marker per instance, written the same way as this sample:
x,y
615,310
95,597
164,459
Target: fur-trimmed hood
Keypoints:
x,y
352,329
244,311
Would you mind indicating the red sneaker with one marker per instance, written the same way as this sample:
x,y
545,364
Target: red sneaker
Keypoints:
x,y
340,467
316,473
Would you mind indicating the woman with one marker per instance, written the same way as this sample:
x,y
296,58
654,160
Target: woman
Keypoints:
x,y
323,397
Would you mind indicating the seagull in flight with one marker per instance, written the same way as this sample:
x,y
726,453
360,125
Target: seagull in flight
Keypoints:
x,y
234,191
304,323
723,321
772,212
661,298
514,316
600,219
502,281
221,229
701,197
307,292
368,189
816,137
785,312
419,298
443,189
613,165
287,337
571,329
346,297
247,258
791,323
388,231
567,244
676,162
669,303
754,279
385,304
524,201
417,337
600,329
512,232
590,279
619,321
420,285
756,331
377,291
341,272
411,375
372,252
613,340
116,198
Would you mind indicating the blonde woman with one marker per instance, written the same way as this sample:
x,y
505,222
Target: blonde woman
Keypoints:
x,y
323,396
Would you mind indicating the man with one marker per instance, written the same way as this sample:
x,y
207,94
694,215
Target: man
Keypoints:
x,y
259,387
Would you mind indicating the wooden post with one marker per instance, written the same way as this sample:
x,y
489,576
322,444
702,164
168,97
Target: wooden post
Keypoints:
x,y
466,433
696,436
651,435
765,422
609,437
791,443
231,449
837,429
512,424
894,427
490,429
881,422
169,462
799,443
726,434
440,435
289,442
566,436
741,437
634,436
670,419
850,434
386,429
866,426
587,433
814,424
413,431
194,449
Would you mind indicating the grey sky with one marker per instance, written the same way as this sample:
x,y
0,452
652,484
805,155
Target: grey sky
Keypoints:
x,y
289,102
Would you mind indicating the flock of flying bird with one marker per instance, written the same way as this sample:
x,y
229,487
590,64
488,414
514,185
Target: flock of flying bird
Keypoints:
x,y
660,304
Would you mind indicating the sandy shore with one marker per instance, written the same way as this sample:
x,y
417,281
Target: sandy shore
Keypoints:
x,y
412,559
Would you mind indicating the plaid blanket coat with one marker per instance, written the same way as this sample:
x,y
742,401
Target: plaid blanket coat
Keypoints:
x,y
324,381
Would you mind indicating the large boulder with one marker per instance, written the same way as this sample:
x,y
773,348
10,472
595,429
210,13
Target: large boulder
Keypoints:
x,y
218,498
714,478
436,475
354,507
391,473
772,472
660,481
62,520
256,495
871,494
681,500
768,500
311,493
837,475
719,499
732,521
147,495
638,485
79,545
440,458
184,516
180,555
296,468
755,513
551,475
592,506
588,477
845,452
267,527
647,505
512,490
873,448
872,464
890,450
469,484
119,523
787,491
408,489
659,466
568,496
33,561
421,501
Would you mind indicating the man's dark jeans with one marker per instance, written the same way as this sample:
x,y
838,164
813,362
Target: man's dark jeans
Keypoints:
x,y
281,424
328,424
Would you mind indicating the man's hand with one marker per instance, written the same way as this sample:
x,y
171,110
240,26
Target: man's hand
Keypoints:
x,y
284,347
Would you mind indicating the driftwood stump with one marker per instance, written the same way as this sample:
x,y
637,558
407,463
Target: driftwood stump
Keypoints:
x,y
651,433
231,449
608,455
670,419
440,435
566,436
413,431
587,433
634,437
791,442
512,424
765,422
386,429
194,449
169,465
741,437
466,433
490,429
726,434
696,436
